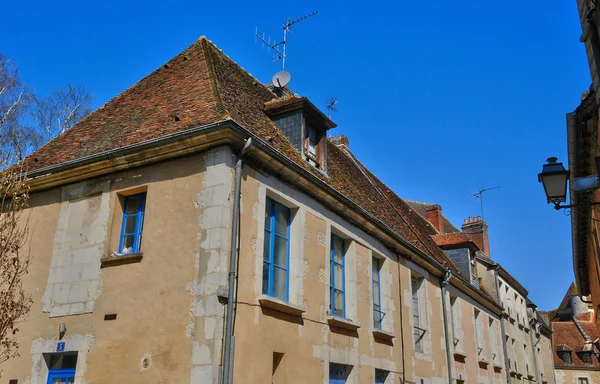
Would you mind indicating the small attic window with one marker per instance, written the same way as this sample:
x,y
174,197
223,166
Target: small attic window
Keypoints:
x,y
565,356
313,147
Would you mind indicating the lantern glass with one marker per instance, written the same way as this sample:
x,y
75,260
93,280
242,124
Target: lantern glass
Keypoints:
x,y
554,178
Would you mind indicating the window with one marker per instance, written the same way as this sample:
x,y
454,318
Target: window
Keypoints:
x,y
314,147
377,313
493,341
582,380
337,374
61,368
338,302
478,333
133,224
586,357
278,373
380,376
276,250
418,332
565,356
453,320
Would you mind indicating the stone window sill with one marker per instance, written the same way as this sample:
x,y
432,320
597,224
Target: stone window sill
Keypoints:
x,y
505,315
342,323
111,261
521,326
280,305
459,354
483,363
497,368
529,376
382,335
512,320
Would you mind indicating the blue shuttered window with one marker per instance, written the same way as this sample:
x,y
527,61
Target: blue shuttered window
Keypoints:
x,y
337,374
338,283
416,314
276,253
377,313
133,224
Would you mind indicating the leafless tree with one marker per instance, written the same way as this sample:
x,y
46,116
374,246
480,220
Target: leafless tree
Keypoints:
x,y
60,110
15,136
14,194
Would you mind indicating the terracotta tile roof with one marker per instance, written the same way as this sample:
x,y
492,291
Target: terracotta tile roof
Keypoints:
x,y
200,86
568,338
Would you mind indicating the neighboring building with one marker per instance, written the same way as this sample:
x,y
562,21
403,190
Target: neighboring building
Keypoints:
x,y
583,151
527,340
338,280
575,341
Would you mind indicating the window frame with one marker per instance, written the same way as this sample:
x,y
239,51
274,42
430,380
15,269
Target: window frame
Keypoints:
x,y
376,266
566,355
337,378
333,264
587,355
139,222
271,240
316,158
418,331
453,313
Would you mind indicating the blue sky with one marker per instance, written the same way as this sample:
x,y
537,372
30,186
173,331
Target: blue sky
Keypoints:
x,y
437,98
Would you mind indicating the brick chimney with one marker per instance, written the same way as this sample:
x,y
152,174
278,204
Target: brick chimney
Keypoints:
x,y
477,229
340,140
434,216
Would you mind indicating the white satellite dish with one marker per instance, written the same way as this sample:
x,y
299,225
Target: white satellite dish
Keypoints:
x,y
281,79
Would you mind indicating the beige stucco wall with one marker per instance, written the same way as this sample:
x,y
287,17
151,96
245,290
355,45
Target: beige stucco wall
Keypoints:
x,y
166,305
155,300
571,376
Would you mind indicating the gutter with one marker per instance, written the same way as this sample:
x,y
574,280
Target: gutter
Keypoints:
x,y
426,261
443,283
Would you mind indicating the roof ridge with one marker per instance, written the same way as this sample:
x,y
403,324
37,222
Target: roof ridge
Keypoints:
x,y
221,109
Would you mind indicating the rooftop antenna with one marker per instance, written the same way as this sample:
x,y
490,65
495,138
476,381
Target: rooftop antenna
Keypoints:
x,y
282,77
479,195
331,106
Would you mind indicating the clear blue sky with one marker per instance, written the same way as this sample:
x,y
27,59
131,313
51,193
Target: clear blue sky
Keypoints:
x,y
438,98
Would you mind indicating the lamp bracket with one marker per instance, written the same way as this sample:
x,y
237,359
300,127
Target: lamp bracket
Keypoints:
x,y
557,206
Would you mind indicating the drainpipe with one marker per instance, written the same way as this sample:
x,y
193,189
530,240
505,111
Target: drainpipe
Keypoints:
x,y
401,324
504,347
444,282
228,361
534,352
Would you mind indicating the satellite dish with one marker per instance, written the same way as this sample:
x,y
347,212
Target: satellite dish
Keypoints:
x,y
281,79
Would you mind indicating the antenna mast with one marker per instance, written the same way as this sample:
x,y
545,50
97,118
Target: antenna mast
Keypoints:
x,y
331,106
479,195
280,47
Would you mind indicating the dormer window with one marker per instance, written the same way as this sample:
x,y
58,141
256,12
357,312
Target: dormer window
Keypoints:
x,y
304,125
586,357
312,147
565,356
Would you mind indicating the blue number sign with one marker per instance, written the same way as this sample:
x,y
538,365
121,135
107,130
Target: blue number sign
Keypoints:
x,y
60,346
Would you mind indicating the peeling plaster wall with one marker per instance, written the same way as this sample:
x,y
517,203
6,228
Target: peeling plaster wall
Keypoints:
x,y
153,299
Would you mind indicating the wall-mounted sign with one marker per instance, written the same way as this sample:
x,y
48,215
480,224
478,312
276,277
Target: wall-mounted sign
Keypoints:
x,y
60,346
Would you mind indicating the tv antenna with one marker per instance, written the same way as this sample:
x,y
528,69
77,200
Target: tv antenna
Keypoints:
x,y
479,195
331,106
280,48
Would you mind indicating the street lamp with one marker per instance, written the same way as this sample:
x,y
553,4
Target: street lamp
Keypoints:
x,y
554,178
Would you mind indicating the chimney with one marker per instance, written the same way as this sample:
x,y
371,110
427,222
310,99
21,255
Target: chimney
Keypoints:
x,y
477,229
340,140
434,216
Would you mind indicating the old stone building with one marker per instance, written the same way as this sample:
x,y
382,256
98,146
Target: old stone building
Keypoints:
x,y
135,236
575,340
526,339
